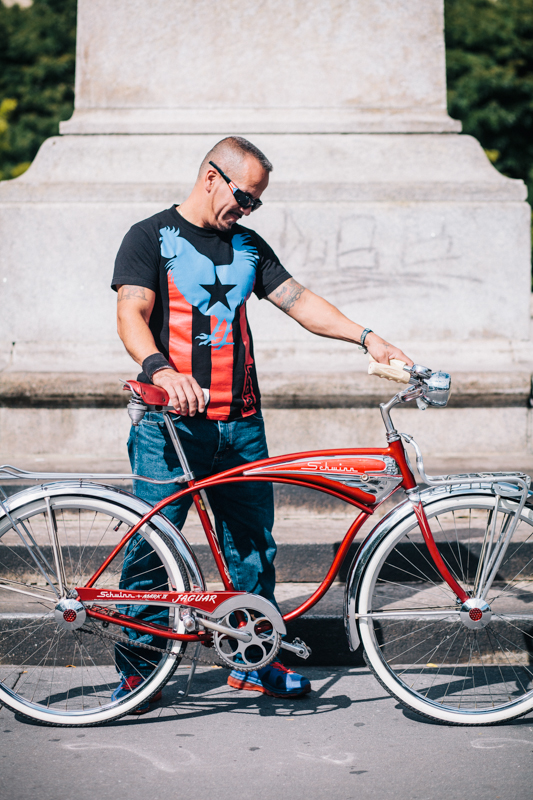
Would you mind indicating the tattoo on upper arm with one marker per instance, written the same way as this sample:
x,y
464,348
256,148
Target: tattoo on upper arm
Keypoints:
x,y
130,292
286,295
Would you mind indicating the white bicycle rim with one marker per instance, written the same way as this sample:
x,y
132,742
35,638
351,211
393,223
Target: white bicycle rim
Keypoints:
x,y
87,520
481,682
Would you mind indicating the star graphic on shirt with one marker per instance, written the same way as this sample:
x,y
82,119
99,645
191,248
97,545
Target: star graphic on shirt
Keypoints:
x,y
218,292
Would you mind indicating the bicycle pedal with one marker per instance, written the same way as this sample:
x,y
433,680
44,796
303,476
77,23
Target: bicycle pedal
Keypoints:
x,y
299,648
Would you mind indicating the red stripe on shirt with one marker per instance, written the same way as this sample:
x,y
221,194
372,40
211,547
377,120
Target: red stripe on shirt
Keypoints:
x,y
248,396
179,329
221,373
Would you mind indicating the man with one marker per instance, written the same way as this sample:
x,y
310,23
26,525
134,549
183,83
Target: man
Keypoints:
x,y
183,278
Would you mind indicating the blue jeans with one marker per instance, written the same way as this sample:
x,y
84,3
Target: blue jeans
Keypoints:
x,y
243,512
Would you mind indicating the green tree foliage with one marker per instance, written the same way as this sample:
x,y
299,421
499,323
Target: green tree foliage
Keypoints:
x,y
37,57
489,59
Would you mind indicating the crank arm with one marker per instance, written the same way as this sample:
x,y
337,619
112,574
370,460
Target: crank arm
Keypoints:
x,y
231,632
297,647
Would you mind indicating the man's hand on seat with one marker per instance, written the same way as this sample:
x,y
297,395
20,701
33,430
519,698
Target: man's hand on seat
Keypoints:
x,y
184,392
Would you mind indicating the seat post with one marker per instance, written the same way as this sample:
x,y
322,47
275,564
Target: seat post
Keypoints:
x,y
188,474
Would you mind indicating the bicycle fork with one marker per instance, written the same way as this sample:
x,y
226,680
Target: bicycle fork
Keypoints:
x,y
494,546
418,508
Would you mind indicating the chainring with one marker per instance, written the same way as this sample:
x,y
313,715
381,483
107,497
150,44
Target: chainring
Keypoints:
x,y
259,651
226,651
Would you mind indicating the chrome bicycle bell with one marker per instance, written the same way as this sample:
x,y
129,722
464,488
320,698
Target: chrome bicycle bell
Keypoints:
x,y
437,390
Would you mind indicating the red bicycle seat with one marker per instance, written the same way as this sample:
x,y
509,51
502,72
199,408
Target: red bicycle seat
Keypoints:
x,y
152,395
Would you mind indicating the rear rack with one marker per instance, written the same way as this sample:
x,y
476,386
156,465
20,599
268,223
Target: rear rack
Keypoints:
x,y
8,472
522,480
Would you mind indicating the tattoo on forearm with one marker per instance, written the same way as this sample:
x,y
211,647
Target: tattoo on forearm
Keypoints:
x,y
129,292
287,294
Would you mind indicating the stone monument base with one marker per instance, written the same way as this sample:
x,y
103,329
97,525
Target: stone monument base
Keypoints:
x,y
414,235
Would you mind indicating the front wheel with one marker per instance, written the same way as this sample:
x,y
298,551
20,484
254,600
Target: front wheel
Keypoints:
x,y
437,661
61,676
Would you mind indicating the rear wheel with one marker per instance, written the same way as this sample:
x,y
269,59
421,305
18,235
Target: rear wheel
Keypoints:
x,y
466,668
67,677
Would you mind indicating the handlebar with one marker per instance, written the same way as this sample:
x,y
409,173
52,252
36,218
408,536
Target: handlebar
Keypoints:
x,y
426,387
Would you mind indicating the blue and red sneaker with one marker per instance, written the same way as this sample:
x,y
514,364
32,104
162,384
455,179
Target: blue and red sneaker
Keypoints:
x,y
274,680
127,685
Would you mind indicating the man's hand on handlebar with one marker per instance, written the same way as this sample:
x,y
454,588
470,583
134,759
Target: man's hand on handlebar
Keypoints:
x,y
184,391
383,351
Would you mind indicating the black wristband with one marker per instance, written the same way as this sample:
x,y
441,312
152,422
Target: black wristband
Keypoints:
x,y
363,337
154,363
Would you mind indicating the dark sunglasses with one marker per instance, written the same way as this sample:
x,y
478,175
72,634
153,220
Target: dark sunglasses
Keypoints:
x,y
244,199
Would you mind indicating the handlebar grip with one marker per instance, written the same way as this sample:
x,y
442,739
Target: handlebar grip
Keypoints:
x,y
394,371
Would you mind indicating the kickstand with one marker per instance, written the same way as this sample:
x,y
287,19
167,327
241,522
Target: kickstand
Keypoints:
x,y
183,695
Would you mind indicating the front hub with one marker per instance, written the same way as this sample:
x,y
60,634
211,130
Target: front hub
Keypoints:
x,y
475,613
70,614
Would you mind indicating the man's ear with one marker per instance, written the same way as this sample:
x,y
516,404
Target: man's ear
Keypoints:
x,y
209,180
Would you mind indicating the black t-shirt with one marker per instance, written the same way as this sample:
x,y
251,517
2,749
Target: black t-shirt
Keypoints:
x,y
202,279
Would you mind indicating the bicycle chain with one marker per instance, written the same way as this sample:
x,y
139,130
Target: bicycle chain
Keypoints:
x,y
213,660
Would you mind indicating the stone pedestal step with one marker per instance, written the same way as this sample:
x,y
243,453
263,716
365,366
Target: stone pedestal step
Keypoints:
x,y
301,563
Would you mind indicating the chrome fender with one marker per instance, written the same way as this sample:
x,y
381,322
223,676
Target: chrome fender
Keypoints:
x,y
382,528
172,537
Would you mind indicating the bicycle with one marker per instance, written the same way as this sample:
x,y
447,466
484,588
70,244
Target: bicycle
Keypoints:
x,y
438,593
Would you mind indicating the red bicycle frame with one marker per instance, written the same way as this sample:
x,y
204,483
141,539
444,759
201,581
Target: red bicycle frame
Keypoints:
x,y
345,473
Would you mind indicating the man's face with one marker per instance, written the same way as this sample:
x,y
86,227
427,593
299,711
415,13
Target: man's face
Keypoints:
x,y
223,209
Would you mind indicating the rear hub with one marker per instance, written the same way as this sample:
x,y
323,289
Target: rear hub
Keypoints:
x,y
70,614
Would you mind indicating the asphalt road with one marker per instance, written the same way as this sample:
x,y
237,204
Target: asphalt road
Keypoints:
x,y
348,739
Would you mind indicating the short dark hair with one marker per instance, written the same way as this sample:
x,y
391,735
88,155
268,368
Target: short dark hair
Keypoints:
x,y
231,150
